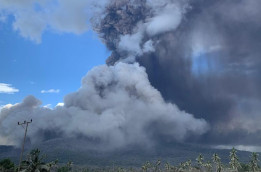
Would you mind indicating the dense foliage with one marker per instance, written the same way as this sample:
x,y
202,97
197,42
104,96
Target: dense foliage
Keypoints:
x,y
6,164
35,163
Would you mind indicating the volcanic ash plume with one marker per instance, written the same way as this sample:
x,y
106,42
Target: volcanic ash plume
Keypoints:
x,y
130,28
203,56
115,105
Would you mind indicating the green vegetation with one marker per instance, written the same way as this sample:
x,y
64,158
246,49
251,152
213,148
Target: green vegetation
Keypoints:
x,y
6,165
253,164
35,162
200,160
217,162
66,168
234,162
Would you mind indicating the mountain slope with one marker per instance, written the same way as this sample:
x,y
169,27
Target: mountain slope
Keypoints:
x,y
70,150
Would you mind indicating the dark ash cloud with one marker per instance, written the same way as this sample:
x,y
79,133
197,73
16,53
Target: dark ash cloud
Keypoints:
x,y
208,64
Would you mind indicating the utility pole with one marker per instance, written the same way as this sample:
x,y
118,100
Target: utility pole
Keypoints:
x,y
26,126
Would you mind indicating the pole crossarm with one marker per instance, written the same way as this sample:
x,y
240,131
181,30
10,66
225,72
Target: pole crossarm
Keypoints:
x,y
25,122
26,126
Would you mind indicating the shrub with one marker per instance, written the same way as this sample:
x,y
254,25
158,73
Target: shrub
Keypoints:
x,y
6,164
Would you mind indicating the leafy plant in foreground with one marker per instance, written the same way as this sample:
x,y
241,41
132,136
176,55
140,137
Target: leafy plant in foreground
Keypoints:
x,y
146,166
208,166
66,168
200,160
6,164
253,164
234,161
217,161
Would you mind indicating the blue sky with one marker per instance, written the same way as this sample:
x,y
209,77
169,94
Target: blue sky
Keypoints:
x,y
58,62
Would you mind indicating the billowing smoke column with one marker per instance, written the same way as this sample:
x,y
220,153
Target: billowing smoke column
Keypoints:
x,y
170,59
131,28
202,55
115,106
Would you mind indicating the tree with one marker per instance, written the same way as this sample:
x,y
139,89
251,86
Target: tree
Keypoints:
x,y
253,164
67,167
35,162
234,161
146,166
167,166
188,165
244,167
6,164
182,166
185,166
200,160
219,167
157,165
217,161
208,166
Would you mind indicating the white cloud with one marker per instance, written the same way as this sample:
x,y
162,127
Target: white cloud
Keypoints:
x,y
7,88
59,104
51,91
33,17
49,106
248,148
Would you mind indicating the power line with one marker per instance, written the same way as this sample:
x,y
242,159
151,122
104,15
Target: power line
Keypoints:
x,y
26,126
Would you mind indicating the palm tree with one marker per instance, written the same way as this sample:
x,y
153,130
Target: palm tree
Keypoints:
x,y
188,165
200,160
34,162
208,166
167,166
219,167
185,166
157,165
120,169
146,166
217,161
216,158
182,166
234,162
254,162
